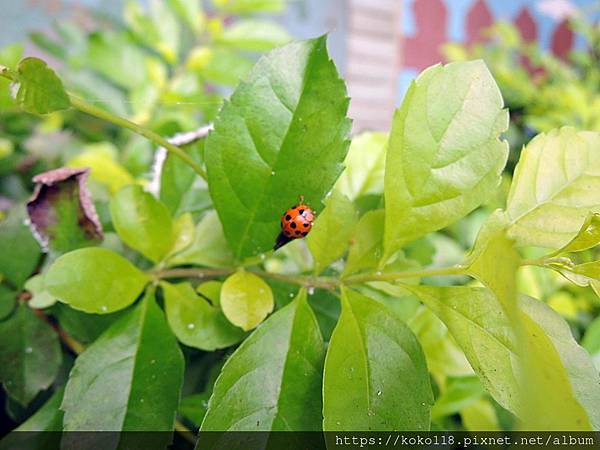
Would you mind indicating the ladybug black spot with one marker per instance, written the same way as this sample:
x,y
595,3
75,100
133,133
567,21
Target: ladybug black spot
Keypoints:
x,y
298,233
288,217
304,233
301,211
305,224
293,225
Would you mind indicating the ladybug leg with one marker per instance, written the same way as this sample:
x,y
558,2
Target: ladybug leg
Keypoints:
x,y
302,199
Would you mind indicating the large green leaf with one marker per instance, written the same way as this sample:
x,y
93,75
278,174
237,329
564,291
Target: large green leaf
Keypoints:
x,y
273,380
19,251
365,166
375,375
142,222
567,393
555,186
331,233
40,90
129,379
444,156
95,280
283,134
30,354
195,321
246,299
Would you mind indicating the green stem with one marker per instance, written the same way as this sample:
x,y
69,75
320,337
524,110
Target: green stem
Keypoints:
x,y
310,281
92,110
394,276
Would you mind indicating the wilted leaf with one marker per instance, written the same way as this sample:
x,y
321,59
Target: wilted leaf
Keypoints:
x,y
195,321
246,299
40,90
555,186
282,134
273,380
444,156
30,354
95,280
61,212
365,388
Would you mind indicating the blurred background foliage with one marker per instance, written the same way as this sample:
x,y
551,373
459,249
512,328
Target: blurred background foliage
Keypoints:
x,y
170,64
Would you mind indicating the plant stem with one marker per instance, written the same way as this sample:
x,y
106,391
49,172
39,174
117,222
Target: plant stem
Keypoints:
x,y
311,281
394,276
93,110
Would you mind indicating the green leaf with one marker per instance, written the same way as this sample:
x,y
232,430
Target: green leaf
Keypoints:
x,y
365,166
326,306
41,298
177,179
331,232
129,379
246,299
189,11
567,392
30,355
586,274
273,380
375,375
95,280
366,248
83,327
224,66
195,321
283,134
444,357
444,155
494,261
7,301
250,6
587,237
555,186
142,222
41,430
480,416
184,232
254,35
40,90
165,23
209,247
591,338
19,251
459,393
115,57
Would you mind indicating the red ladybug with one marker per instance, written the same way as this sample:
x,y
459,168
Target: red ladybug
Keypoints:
x,y
296,223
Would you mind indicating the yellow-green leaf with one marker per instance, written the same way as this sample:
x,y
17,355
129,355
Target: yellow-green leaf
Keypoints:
x,y
246,299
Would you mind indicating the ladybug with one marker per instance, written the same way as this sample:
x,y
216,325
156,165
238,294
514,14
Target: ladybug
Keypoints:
x,y
296,223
